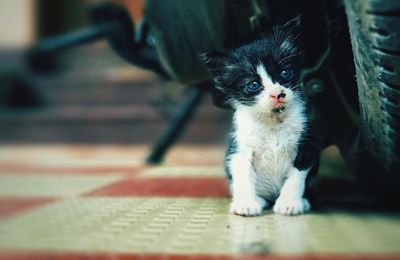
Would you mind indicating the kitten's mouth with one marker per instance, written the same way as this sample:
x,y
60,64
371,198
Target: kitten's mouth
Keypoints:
x,y
279,106
278,109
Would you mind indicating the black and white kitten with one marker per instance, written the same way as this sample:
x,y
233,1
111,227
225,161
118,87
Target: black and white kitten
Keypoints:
x,y
271,153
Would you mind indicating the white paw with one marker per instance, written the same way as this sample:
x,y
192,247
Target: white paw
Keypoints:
x,y
248,207
286,206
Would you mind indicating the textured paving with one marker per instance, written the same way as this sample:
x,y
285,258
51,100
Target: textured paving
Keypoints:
x,y
89,202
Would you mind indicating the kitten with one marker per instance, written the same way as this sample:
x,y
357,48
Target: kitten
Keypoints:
x,y
271,153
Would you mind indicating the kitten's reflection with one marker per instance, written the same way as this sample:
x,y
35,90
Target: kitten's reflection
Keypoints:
x,y
269,233
248,235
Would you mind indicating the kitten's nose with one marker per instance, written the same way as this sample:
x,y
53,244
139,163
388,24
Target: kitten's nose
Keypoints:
x,y
281,95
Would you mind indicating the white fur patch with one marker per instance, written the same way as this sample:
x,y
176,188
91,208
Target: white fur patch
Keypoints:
x,y
291,201
245,200
265,78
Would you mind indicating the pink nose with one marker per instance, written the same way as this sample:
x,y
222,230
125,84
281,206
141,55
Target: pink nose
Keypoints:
x,y
281,95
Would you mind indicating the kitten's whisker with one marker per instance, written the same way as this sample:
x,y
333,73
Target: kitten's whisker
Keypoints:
x,y
234,78
293,55
282,60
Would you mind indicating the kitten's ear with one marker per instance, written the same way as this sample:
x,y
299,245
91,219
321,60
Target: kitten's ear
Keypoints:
x,y
293,25
290,30
216,61
289,36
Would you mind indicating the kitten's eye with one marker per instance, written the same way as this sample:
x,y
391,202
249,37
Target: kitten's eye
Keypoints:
x,y
286,74
253,87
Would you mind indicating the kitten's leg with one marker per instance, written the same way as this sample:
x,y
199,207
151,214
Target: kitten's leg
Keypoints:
x,y
245,201
290,200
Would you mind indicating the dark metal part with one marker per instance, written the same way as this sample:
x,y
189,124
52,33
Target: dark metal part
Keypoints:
x,y
315,87
109,22
74,39
177,124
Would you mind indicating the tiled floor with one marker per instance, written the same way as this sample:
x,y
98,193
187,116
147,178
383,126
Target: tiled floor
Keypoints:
x,y
102,202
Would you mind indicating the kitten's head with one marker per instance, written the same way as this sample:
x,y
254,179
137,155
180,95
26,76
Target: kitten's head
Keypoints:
x,y
263,75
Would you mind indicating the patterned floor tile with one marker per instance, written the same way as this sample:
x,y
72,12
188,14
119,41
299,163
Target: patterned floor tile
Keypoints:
x,y
132,256
194,226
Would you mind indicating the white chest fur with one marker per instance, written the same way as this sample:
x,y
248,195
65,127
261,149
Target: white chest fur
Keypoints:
x,y
271,144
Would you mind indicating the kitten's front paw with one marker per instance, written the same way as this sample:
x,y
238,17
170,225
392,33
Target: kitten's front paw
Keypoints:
x,y
286,206
248,207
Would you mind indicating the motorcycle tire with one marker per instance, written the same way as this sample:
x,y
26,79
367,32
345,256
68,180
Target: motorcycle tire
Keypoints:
x,y
375,37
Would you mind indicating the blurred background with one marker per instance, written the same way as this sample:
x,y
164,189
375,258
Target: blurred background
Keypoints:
x,y
87,94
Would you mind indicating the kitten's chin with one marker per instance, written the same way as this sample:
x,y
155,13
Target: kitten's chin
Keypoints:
x,y
271,111
278,109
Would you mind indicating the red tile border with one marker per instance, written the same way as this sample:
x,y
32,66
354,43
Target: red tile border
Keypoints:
x,y
13,206
133,256
165,187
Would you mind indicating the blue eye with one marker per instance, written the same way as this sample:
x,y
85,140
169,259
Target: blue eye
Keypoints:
x,y
253,87
286,74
